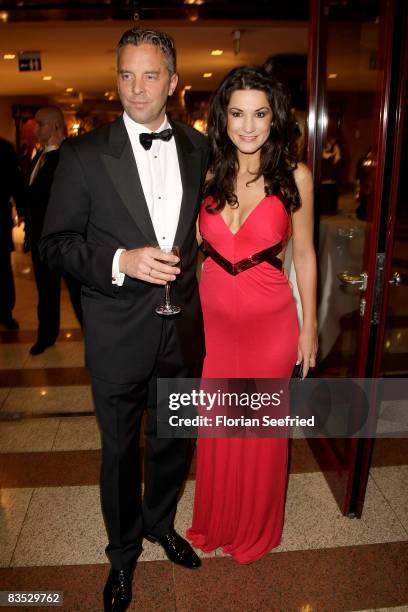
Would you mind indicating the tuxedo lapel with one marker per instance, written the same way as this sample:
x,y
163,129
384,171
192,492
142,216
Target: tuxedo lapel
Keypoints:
x,y
190,171
120,164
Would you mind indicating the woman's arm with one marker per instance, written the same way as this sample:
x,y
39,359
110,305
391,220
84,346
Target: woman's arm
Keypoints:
x,y
304,259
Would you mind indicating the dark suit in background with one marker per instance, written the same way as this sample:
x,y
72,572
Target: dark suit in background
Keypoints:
x,y
11,185
48,281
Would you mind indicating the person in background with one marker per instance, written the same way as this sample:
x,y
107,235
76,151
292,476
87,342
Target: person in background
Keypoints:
x,y
330,179
11,186
117,191
50,133
26,155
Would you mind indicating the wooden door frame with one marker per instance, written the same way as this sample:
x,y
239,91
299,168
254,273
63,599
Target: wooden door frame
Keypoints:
x,y
348,487
392,159
400,84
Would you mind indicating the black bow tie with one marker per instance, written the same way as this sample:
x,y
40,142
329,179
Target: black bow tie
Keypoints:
x,y
146,139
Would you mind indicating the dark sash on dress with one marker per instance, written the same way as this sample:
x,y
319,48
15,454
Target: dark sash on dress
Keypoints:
x,y
268,255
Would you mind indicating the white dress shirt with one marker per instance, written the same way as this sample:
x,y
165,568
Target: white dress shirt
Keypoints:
x,y
159,173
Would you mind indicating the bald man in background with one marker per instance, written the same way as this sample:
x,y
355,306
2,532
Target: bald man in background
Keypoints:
x,y
50,132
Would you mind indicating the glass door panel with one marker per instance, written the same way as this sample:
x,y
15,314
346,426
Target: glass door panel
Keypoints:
x,y
351,135
345,192
394,361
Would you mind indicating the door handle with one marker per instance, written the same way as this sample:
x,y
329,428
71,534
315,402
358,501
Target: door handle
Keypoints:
x,y
396,279
358,280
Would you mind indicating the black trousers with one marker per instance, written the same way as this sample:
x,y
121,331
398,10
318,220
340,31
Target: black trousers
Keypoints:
x,y
49,295
119,408
7,290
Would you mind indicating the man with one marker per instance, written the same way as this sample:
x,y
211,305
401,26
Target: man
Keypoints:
x,y
117,191
50,132
11,186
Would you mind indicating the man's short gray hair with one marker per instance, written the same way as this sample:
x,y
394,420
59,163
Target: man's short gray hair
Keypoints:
x,y
140,36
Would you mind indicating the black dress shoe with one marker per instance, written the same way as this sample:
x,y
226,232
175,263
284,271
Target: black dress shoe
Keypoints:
x,y
117,593
177,549
39,347
9,323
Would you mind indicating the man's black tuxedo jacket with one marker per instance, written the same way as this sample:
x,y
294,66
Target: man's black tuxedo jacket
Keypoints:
x,y
97,205
38,194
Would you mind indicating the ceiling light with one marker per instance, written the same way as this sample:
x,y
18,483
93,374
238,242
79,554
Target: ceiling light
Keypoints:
x,y
196,2
9,56
69,89
333,75
187,86
207,75
217,52
47,78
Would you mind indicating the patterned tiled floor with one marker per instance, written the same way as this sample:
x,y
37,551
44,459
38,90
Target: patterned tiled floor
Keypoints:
x,y
52,534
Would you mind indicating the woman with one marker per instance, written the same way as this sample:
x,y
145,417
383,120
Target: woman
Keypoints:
x,y
257,197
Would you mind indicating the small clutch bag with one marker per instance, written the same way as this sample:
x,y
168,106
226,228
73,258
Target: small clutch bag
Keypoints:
x,y
297,371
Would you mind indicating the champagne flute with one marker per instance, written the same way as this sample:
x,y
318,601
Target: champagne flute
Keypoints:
x,y
167,308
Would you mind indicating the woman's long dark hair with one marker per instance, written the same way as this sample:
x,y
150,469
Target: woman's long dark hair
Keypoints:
x,y
278,154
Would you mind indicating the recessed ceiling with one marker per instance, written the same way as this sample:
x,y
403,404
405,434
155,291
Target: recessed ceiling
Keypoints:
x,y
81,54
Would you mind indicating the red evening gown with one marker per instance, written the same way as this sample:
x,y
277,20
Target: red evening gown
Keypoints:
x,y
251,330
